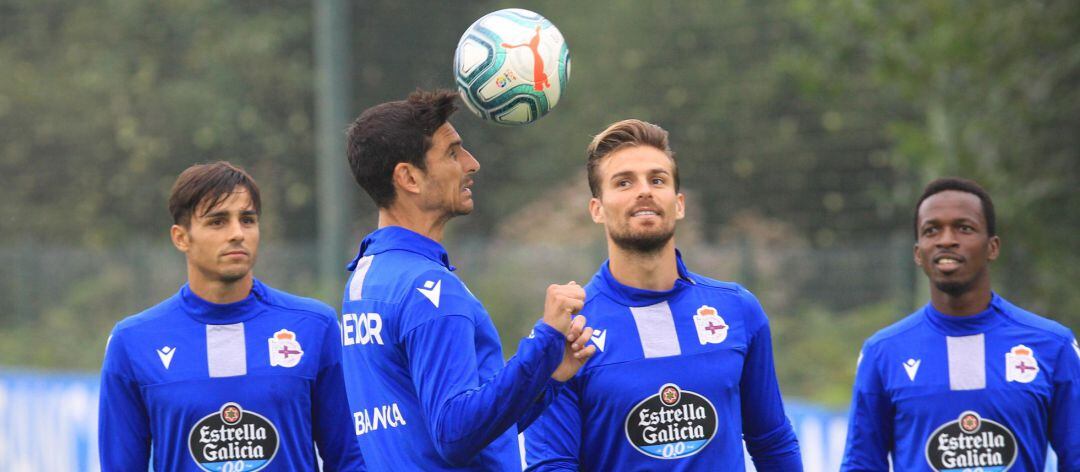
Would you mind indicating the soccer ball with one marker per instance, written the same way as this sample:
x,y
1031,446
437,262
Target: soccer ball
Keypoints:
x,y
511,66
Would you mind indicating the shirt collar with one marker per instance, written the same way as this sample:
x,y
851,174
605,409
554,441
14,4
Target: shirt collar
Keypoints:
x,y
632,296
222,313
966,325
397,238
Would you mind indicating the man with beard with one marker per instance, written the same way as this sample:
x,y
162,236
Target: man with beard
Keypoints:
x,y
684,369
969,381
428,385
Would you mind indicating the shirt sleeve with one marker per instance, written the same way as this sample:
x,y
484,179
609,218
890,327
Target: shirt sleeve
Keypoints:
x,y
870,421
1065,408
464,412
553,441
547,396
330,413
770,438
123,424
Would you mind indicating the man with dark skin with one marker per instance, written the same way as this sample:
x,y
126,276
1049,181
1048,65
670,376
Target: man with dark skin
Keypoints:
x,y
932,390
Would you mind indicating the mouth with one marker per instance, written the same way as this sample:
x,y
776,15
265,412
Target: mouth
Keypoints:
x,y
467,188
236,253
644,212
947,263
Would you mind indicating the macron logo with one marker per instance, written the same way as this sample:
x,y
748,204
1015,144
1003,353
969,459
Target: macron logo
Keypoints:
x,y
431,291
912,368
599,337
165,354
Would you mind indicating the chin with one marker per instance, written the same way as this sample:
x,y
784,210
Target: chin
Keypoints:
x,y
230,276
954,288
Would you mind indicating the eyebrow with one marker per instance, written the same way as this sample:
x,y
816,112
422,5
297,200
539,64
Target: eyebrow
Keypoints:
x,y
221,213
628,173
962,219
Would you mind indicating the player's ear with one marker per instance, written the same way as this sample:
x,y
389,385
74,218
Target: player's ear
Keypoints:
x,y
993,247
407,177
917,253
180,237
596,210
680,206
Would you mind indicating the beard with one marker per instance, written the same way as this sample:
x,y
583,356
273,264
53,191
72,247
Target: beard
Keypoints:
x,y
644,242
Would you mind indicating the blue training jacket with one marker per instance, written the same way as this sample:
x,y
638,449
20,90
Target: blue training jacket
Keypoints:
x,y
983,392
428,387
246,386
679,379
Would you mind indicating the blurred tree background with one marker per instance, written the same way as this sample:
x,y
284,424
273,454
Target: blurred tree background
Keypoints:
x,y
804,130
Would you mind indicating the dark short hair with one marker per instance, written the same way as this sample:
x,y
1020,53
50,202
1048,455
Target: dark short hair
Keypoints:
x,y
394,132
205,186
960,185
621,134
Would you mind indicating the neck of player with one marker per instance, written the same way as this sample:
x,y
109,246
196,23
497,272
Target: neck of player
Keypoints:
x,y
429,224
971,302
656,271
215,290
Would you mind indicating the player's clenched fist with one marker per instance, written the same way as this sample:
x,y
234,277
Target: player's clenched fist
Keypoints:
x,y
561,303
576,352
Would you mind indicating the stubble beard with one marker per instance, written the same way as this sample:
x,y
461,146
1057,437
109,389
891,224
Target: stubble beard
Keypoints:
x,y
642,244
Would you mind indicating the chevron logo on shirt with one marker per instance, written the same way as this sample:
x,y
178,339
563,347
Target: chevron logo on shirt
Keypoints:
x,y
165,354
599,338
431,291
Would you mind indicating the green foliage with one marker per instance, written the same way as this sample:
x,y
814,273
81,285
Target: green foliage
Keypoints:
x,y
819,119
816,349
987,90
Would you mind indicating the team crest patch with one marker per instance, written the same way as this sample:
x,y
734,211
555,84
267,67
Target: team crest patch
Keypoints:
x,y
232,439
285,350
971,443
711,328
1020,364
671,424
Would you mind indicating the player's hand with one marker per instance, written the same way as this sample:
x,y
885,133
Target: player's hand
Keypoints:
x,y
576,352
561,303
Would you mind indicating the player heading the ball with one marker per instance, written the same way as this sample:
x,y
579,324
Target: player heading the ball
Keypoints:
x,y
427,382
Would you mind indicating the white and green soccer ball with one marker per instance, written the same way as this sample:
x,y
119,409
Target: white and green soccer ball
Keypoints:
x,y
511,66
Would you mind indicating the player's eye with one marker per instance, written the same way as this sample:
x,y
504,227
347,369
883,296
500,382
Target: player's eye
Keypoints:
x,y
658,181
248,220
929,230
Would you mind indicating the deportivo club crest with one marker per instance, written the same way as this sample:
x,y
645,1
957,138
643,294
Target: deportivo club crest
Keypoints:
x,y
285,350
1020,364
711,328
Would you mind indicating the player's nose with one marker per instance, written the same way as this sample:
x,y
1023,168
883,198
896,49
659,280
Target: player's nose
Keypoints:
x,y
472,164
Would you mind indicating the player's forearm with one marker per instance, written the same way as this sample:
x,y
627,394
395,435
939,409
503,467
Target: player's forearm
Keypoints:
x,y
469,421
555,465
335,439
543,400
777,450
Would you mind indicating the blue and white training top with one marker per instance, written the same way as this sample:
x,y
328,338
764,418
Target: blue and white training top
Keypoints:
x,y
245,386
679,379
424,368
983,392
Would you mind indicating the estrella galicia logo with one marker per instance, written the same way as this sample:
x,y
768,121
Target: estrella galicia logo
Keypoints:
x,y
672,424
971,443
233,440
